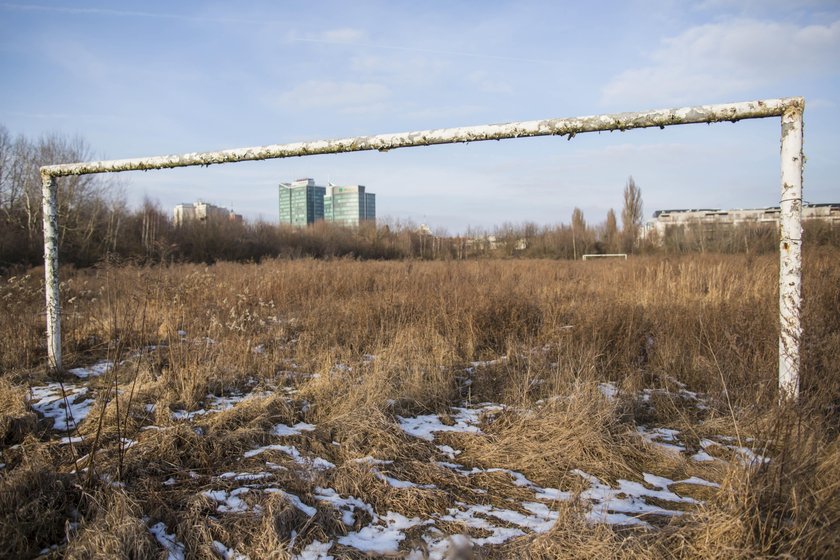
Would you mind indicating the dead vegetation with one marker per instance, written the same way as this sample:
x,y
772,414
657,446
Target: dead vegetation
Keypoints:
x,y
241,409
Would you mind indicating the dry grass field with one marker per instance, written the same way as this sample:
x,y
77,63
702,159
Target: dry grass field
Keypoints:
x,y
472,409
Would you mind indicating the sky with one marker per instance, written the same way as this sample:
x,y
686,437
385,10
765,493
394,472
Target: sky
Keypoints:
x,y
152,78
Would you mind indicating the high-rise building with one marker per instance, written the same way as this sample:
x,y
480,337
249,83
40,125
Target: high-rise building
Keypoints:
x,y
349,205
301,202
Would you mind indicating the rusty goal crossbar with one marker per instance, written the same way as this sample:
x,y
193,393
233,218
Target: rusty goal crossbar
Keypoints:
x,y
789,109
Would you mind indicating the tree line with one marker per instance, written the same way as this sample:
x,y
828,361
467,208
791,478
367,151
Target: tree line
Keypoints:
x,y
96,224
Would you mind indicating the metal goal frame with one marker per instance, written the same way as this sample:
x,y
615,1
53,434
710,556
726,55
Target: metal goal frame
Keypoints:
x,y
790,244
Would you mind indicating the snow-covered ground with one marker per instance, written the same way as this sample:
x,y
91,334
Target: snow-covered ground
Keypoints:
x,y
239,492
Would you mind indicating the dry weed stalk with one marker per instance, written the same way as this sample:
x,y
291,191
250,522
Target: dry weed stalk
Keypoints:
x,y
350,346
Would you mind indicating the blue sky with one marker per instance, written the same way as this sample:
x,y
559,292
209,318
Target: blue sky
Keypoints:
x,y
151,78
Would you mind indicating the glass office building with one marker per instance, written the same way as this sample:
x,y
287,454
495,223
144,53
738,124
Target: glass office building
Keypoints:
x,y
301,202
349,205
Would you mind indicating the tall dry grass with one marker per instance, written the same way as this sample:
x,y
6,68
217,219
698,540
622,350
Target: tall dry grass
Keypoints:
x,y
363,342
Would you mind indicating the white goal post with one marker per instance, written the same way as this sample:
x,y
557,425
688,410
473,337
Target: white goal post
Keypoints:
x,y
604,256
790,245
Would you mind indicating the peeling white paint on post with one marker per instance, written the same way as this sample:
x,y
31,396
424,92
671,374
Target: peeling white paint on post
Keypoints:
x,y
790,252
790,109
50,207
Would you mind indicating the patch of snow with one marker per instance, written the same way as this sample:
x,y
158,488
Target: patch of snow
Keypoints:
x,y
449,451
626,504
67,410
185,415
460,469
699,482
155,428
697,399
379,539
609,390
228,502
441,546
466,421
217,404
468,517
292,451
665,438
702,457
519,479
371,461
748,457
174,549
657,481
316,550
552,494
391,481
346,506
539,519
486,363
227,553
295,501
97,369
394,482
296,430
245,476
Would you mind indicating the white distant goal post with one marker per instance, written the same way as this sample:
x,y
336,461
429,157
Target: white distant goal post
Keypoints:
x,y
604,256
790,245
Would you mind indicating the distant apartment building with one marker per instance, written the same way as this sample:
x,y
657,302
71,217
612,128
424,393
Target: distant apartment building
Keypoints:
x,y
301,202
714,218
349,205
203,212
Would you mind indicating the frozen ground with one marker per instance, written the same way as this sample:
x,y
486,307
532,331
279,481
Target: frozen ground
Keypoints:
x,y
529,509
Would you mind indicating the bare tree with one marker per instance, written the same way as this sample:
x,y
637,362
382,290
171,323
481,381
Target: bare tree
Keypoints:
x,y
6,162
579,233
610,235
85,204
631,215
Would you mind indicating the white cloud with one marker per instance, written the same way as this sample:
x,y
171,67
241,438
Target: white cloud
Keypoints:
x,y
343,35
723,59
404,66
77,59
767,6
348,96
435,113
820,103
488,83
